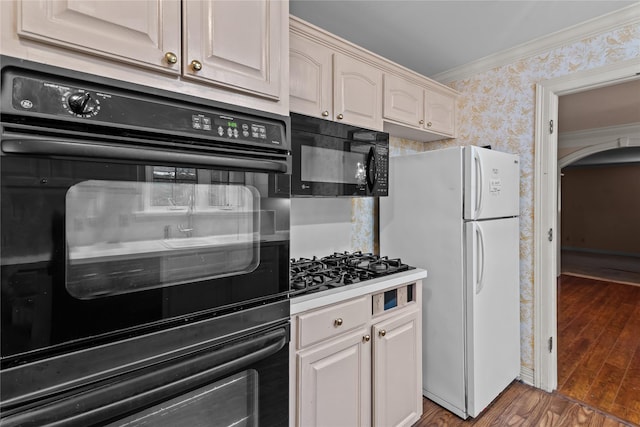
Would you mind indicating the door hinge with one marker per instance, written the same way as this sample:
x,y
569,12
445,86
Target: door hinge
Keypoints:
x,y
550,344
551,127
550,235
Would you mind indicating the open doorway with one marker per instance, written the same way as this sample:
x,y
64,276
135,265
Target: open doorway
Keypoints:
x,y
555,367
599,189
599,285
599,242
546,204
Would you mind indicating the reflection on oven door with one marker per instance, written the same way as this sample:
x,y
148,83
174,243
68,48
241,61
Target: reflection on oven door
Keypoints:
x,y
232,401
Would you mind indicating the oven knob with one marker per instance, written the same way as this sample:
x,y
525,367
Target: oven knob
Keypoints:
x,y
81,104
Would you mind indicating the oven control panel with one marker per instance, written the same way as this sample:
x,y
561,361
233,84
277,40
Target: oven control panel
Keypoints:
x,y
114,107
393,298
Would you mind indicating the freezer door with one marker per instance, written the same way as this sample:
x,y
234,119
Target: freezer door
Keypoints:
x,y
493,303
492,184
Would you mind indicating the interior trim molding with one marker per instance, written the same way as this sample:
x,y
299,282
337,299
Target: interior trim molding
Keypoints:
x,y
611,21
597,148
546,190
585,138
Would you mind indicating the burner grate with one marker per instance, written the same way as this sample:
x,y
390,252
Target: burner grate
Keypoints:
x,y
340,269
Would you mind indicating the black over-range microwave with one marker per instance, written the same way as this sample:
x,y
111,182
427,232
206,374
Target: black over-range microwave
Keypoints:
x,y
334,159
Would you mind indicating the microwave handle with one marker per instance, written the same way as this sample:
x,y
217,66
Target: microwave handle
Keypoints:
x,y
371,168
90,150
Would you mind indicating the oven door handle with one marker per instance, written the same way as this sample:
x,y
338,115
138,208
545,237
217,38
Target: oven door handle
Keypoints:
x,y
115,398
68,148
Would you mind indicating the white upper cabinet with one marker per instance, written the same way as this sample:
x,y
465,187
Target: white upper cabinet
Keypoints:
x,y
227,50
408,105
419,107
440,112
357,92
333,86
311,80
403,101
137,32
234,44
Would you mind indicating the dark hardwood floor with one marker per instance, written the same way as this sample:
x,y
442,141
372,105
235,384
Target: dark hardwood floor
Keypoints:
x,y
599,345
522,405
598,366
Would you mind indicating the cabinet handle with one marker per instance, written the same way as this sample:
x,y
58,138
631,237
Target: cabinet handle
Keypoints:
x,y
366,338
171,57
325,113
340,117
337,322
429,124
196,65
421,122
382,333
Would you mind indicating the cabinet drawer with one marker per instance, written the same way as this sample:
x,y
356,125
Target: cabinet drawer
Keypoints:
x,y
331,321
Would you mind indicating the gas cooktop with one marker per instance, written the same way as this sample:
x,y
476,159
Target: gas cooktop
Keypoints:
x,y
309,275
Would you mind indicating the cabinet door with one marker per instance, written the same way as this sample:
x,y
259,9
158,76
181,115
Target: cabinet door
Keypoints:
x,y
403,101
334,386
137,32
397,385
236,44
357,93
310,78
440,112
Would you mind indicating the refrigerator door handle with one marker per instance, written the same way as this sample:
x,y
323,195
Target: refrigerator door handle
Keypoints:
x,y
480,282
479,184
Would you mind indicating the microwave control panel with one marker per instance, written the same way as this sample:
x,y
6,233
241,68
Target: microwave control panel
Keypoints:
x,y
381,187
393,298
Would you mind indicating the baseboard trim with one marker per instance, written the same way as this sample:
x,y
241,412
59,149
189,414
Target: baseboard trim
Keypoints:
x,y
526,375
599,251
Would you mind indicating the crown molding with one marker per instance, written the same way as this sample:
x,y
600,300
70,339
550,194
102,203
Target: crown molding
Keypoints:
x,y
611,21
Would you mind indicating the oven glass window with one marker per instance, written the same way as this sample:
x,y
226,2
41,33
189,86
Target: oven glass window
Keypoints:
x,y
181,225
232,401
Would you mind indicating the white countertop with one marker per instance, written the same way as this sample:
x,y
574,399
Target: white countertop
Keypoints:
x,y
331,296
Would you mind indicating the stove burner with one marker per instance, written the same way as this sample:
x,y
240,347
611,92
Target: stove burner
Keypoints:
x,y
340,269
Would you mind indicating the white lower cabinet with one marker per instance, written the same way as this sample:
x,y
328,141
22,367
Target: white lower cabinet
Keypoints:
x,y
397,390
335,382
351,367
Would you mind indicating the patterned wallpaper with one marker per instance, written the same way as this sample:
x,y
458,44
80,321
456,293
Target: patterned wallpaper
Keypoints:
x,y
497,107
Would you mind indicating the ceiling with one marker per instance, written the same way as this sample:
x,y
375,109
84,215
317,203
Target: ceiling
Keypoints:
x,y
431,37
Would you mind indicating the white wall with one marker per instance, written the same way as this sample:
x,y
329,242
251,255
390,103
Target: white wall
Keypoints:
x,y
320,226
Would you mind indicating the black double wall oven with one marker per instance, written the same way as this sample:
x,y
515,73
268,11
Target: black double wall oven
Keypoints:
x,y
144,255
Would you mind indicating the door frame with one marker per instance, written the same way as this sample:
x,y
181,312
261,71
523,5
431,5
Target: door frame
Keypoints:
x,y
546,206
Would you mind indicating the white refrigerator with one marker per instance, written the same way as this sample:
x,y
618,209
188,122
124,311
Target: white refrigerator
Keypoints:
x,y
454,212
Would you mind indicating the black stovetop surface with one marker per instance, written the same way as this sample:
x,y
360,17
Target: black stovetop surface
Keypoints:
x,y
315,274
